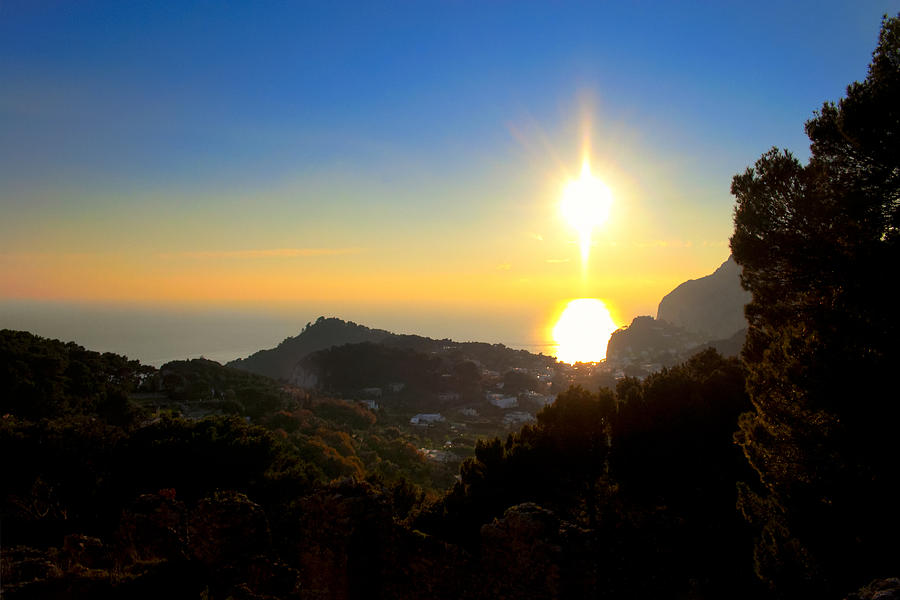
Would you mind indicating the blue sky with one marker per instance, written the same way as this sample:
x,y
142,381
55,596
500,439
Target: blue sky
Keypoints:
x,y
135,90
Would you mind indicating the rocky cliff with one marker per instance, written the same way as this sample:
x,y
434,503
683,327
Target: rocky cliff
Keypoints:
x,y
711,307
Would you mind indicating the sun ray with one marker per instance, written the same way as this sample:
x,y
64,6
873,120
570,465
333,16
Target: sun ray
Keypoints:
x,y
585,205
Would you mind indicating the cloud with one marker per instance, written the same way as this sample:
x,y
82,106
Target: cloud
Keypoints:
x,y
557,260
664,244
504,267
536,236
268,253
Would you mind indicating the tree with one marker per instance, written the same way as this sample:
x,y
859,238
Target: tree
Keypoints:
x,y
817,243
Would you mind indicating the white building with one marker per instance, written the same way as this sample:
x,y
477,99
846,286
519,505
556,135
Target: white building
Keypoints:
x,y
426,419
441,456
517,418
501,401
537,398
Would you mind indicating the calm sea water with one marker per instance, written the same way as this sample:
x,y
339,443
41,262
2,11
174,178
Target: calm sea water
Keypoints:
x,y
159,335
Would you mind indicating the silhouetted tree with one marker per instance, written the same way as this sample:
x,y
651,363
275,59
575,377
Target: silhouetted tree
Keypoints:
x,y
518,381
468,376
816,244
646,473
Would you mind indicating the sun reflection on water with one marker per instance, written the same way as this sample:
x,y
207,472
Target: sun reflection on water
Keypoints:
x,y
582,331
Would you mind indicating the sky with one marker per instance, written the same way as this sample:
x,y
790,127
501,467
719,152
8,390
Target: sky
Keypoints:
x,y
253,165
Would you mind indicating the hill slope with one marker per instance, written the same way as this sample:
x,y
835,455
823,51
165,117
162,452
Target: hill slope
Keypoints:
x,y
279,362
708,311
711,306
282,362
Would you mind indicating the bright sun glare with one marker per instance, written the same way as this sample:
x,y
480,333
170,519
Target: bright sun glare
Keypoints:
x,y
585,205
582,331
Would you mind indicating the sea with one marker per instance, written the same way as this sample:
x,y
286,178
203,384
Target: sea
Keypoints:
x,y
157,335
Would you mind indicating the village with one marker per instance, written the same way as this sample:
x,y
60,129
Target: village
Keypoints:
x,y
448,422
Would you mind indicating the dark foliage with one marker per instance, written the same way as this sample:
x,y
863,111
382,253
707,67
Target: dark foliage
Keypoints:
x,y
629,492
647,473
95,504
40,378
219,388
817,243
515,382
349,368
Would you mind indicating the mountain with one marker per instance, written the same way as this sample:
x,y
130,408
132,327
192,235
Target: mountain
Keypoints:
x,y
283,361
279,362
732,345
711,306
650,341
708,311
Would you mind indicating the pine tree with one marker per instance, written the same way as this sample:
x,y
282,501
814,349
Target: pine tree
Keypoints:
x,y
819,245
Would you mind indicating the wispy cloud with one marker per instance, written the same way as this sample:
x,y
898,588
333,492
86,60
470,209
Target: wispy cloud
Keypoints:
x,y
267,253
557,260
504,267
664,244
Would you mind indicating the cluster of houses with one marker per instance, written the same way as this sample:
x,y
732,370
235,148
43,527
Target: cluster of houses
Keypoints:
x,y
427,419
457,409
506,402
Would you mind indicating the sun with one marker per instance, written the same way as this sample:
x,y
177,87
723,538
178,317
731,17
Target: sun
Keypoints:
x,y
585,205
583,330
